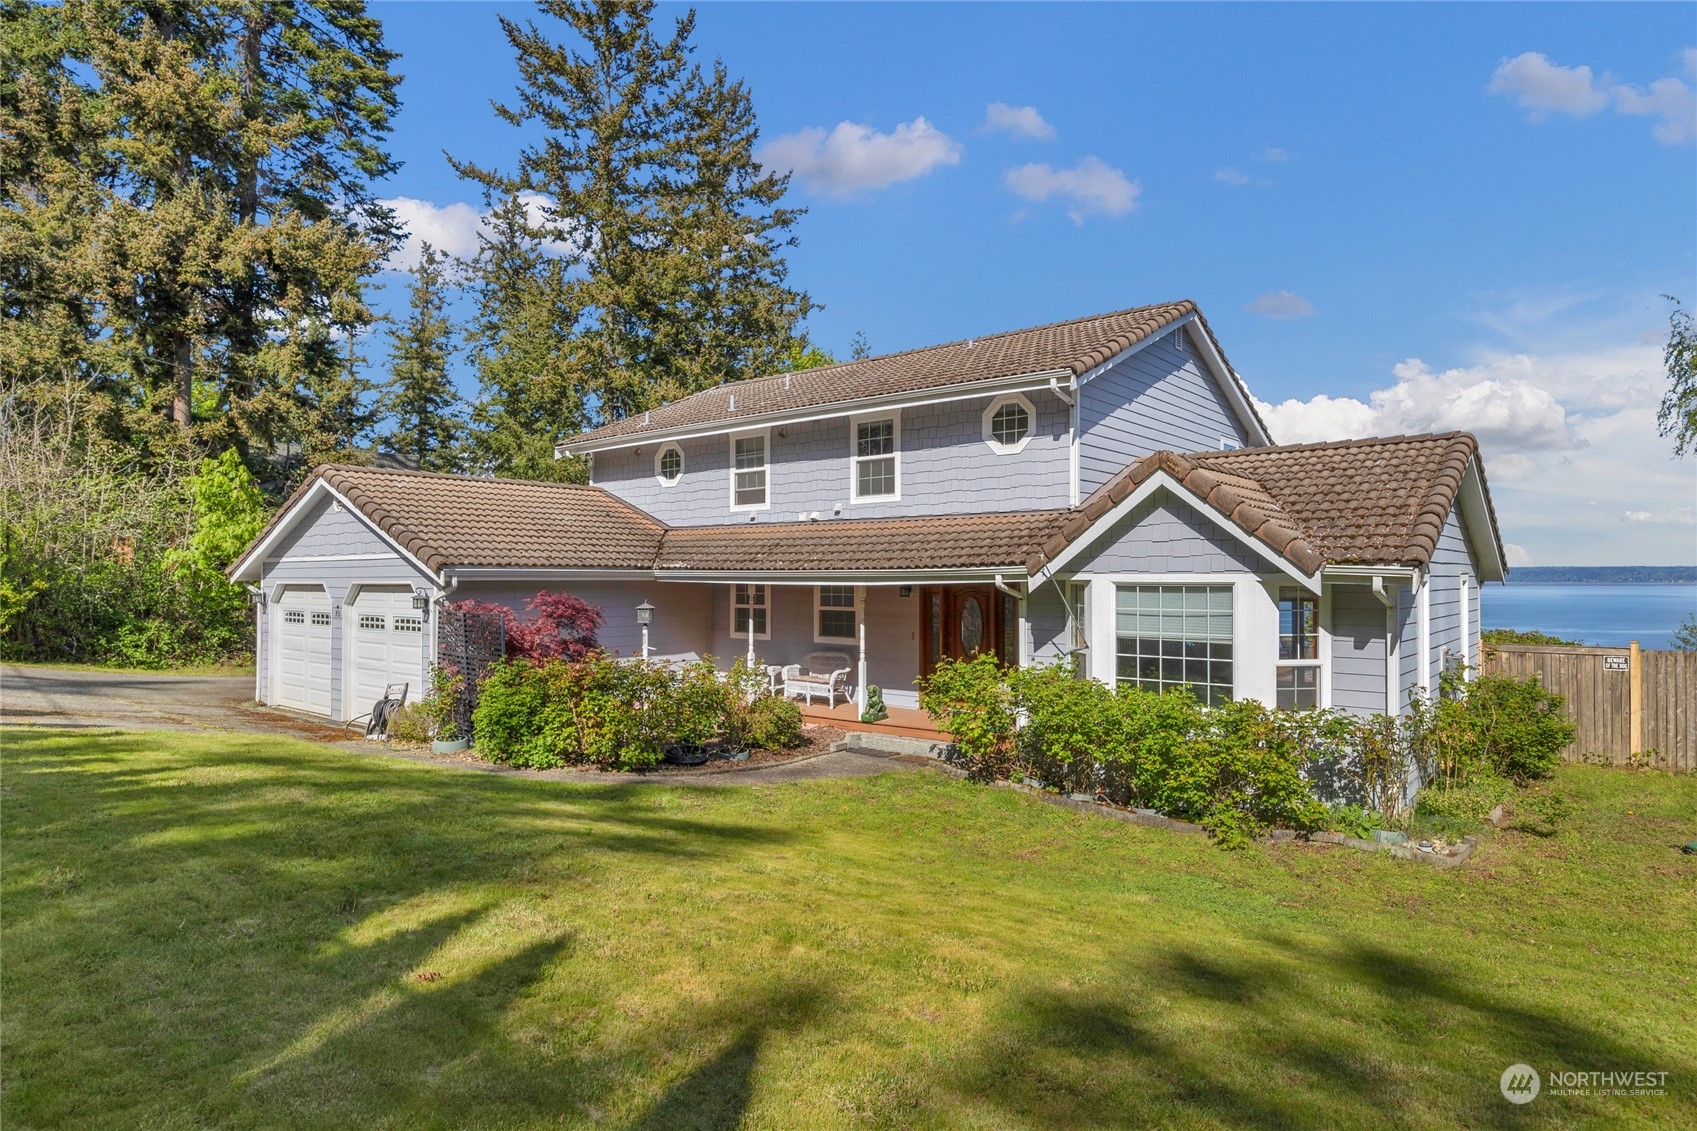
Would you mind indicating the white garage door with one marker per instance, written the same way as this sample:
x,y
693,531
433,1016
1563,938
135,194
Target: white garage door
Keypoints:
x,y
301,623
387,645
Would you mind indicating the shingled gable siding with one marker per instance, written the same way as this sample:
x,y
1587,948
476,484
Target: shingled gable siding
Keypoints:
x,y
892,636
1155,399
1358,649
325,532
682,627
945,468
1167,535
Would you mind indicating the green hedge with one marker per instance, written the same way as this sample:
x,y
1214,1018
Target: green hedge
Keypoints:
x,y
1238,768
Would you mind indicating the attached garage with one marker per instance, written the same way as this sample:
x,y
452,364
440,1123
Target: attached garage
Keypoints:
x,y
385,645
301,630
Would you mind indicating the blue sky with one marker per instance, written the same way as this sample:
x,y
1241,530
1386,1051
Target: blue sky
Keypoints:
x,y
1396,218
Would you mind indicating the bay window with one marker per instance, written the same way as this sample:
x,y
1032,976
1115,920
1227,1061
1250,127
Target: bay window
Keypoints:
x,y
1175,636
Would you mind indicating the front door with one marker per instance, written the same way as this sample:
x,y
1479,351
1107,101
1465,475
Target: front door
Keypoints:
x,y
963,621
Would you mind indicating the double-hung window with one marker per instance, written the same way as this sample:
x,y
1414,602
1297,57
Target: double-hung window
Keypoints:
x,y
748,471
1298,686
1175,636
748,612
874,458
835,615
1078,618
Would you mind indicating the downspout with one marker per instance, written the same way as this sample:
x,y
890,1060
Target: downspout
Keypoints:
x,y
1379,591
1009,590
1055,388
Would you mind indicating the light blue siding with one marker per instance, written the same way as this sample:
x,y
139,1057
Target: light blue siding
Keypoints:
x,y
1166,535
1048,636
945,468
682,613
1358,649
328,532
1452,561
1158,398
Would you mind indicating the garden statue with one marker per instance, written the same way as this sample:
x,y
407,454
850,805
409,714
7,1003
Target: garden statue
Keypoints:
x,y
875,712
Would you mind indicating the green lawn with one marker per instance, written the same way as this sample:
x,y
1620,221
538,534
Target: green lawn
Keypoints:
x,y
245,668
225,931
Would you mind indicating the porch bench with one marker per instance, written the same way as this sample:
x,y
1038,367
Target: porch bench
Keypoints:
x,y
824,675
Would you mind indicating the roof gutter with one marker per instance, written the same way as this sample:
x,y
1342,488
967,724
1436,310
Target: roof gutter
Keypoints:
x,y
1067,397
993,386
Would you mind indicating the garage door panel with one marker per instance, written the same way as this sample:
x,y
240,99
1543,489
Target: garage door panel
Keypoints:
x,y
386,645
302,628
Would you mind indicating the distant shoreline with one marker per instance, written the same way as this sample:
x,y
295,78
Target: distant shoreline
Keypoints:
x,y
1603,575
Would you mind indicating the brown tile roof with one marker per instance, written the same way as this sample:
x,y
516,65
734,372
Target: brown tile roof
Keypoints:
x,y
979,541
1369,502
1076,346
457,520
1379,501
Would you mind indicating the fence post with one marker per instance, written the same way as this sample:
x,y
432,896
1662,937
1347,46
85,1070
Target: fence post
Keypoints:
x,y
1637,678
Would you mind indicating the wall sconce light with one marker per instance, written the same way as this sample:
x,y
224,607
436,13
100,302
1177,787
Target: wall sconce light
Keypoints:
x,y
906,591
420,600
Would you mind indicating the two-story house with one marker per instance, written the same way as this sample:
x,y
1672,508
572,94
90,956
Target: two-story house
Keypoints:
x,y
1101,488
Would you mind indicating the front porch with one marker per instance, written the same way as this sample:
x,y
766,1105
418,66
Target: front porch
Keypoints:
x,y
904,722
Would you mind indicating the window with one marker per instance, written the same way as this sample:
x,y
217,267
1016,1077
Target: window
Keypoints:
x,y
1176,636
1078,618
749,608
368,620
409,624
835,619
748,471
874,458
321,620
294,616
1298,685
669,465
1007,423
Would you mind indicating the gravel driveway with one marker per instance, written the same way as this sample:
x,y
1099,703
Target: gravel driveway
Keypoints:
x,y
63,697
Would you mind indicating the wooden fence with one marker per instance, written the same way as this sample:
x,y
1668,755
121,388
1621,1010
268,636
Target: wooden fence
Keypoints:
x,y
1628,704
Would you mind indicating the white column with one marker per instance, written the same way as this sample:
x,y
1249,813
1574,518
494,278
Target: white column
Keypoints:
x,y
1104,643
1393,651
860,630
1425,613
750,618
1466,627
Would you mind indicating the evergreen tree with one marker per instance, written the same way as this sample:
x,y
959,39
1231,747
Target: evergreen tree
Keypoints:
x,y
188,199
521,343
420,397
668,235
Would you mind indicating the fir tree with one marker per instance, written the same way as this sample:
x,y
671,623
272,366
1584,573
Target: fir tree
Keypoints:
x,y
521,344
420,397
668,233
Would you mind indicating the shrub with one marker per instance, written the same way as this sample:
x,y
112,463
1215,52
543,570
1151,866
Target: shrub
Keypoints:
x,y
973,701
558,626
774,723
444,703
1513,728
1074,733
1519,636
412,723
1472,800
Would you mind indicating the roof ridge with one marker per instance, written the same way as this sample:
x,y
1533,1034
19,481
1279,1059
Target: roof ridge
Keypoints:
x,y
1353,442
423,474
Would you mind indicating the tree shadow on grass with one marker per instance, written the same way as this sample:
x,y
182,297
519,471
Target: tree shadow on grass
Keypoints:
x,y
1357,1035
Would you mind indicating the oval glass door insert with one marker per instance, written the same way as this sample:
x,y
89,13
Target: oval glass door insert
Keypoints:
x,y
971,626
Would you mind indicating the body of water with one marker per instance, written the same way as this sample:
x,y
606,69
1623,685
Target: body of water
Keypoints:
x,y
1596,613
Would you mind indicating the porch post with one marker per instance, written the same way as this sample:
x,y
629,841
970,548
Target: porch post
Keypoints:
x,y
750,619
860,626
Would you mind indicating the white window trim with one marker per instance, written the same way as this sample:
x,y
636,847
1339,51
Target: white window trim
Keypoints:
x,y
1105,658
1030,430
731,447
895,419
859,615
1230,443
670,446
765,592
1322,663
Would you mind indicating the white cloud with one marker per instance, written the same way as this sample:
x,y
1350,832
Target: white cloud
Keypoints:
x,y
1567,429
1544,87
1022,121
1274,153
452,228
1231,176
1280,304
854,158
1092,186
1517,555
1677,516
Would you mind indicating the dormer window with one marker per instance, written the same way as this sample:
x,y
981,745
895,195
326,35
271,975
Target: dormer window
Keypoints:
x,y
748,472
669,465
875,457
1007,423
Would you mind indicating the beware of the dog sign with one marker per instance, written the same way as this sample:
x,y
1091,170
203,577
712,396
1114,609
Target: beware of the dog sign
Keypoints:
x,y
1617,663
